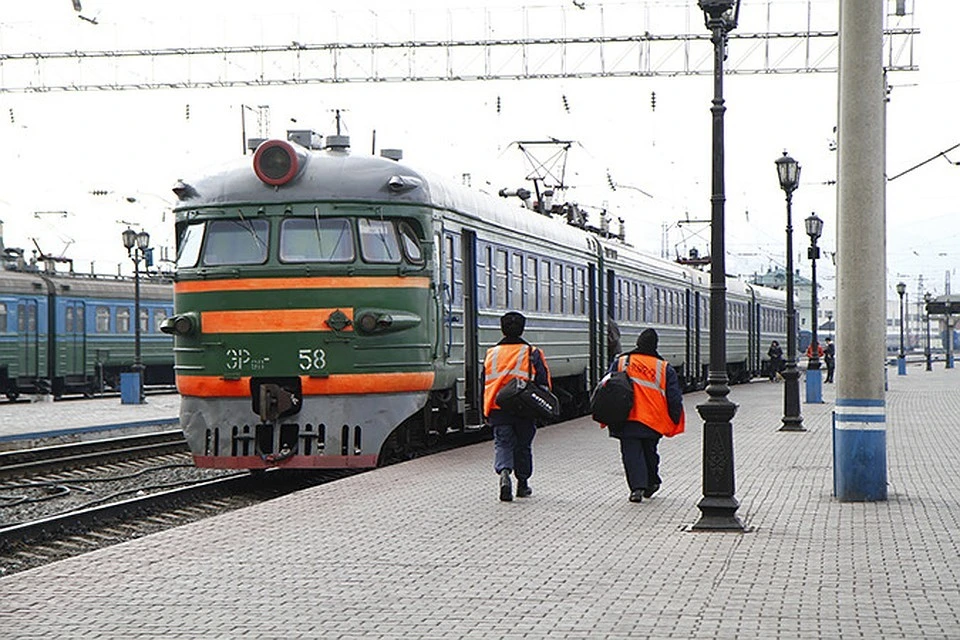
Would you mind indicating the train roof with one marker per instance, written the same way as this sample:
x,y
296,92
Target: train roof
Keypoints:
x,y
337,175
83,286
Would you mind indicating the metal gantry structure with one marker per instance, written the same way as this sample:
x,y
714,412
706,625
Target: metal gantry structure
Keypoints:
x,y
579,40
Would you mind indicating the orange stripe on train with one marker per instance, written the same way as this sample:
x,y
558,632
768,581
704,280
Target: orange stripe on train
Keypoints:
x,y
337,384
320,282
269,321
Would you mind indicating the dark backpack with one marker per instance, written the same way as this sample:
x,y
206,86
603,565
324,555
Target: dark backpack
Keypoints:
x,y
612,399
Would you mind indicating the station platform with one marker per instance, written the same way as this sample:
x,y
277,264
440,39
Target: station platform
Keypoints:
x,y
41,423
425,549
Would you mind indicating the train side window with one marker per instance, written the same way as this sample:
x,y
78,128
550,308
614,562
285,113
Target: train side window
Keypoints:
x,y
3,317
189,243
581,287
159,315
144,320
68,319
571,292
123,320
32,318
530,285
545,285
516,281
500,279
103,319
21,318
378,241
411,243
556,286
316,240
448,268
233,242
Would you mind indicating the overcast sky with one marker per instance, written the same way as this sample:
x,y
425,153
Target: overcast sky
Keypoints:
x,y
136,144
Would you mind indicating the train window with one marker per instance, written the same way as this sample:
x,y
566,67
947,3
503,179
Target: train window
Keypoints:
x,y
556,286
583,291
448,261
159,315
530,285
144,320
516,281
103,319
191,239
32,318
571,292
233,242
500,279
68,319
544,285
411,243
3,317
21,318
79,319
378,241
620,304
316,240
491,273
123,320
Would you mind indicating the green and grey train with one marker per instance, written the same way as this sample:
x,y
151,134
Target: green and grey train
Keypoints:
x,y
333,310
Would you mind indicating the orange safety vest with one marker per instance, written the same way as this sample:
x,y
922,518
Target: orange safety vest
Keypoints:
x,y
649,376
504,362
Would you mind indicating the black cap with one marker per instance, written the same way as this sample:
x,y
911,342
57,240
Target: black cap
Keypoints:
x,y
512,324
647,341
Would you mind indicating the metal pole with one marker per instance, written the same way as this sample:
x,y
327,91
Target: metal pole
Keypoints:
x,y
718,507
927,349
902,357
792,420
814,375
137,363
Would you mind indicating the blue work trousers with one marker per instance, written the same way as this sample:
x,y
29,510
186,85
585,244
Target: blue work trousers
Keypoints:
x,y
513,448
641,462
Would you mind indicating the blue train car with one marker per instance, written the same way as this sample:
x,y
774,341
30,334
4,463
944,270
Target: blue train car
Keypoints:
x,y
64,333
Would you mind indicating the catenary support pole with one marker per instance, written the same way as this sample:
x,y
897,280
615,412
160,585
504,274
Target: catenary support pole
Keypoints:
x,y
860,455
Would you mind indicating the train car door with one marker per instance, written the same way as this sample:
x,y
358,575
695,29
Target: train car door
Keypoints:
x,y
472,371
73,338
28,339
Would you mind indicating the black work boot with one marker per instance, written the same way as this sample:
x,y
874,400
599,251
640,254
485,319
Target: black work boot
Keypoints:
x,y
506,488
523,489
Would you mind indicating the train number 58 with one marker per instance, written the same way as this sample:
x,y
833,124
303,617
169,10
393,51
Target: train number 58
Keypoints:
x,y
312,359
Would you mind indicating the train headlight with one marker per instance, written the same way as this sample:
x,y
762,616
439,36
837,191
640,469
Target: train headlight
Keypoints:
x,y
277,162
370,321
180,325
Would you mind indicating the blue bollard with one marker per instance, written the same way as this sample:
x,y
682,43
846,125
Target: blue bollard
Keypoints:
x,y
130,388
814,386
901,366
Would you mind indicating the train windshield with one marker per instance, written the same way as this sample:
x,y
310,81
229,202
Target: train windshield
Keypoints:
x,y
232,242
190,243
378,241
316,240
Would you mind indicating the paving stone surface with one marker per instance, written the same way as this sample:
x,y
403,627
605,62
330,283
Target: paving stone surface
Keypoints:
x,y
425,549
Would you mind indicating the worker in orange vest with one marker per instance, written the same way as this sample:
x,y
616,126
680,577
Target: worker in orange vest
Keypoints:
x,y
657,411
512,357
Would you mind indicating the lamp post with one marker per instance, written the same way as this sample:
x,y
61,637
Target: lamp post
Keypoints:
x,y
902,357
136,245
926,348
814,227
718,507
788,170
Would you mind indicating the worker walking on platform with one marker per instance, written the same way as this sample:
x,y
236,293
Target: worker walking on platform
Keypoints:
x,y
657,411
512,357
829,359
